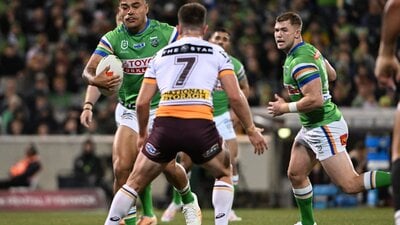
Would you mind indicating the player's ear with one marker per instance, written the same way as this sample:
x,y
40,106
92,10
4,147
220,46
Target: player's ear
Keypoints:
x,y
297,34
205,29
179,28
146,4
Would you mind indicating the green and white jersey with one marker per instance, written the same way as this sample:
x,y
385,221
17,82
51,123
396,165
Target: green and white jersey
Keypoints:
x,y
303,64
135,51
220,99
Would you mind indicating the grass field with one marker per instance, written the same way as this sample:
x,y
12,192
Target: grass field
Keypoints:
x,y
343,216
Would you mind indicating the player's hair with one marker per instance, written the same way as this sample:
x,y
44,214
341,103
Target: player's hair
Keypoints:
x,y
221,29
145,1
217,29
293,18
192,15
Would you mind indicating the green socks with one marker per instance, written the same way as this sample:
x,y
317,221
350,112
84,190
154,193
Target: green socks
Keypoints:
x,y
147,207
304,198
306,211
176,197
147,201
186,194
130,219
383,179
376,179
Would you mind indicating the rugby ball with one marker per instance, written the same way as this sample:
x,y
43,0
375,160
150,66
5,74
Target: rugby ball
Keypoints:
x,y
115,69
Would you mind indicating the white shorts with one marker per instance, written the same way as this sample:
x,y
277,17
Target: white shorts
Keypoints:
x,y
325,141
224,126
127,117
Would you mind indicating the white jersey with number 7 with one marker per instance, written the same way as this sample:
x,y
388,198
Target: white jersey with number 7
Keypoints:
x,y
186,72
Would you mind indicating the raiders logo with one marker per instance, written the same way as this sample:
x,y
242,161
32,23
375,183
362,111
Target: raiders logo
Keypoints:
x,y
154,41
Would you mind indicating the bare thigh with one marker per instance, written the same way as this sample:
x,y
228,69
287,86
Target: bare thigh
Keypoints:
x,y
302,161
125,147
220,166
144,172
341,171
124,153
185,161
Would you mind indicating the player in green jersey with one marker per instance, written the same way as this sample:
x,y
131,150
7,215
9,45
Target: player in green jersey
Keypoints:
x,y
185,72
323,136
135,41
222,114
387,70
223,122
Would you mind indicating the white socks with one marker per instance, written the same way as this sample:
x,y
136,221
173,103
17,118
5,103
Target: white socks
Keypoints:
x,y
222,199
397,217
122,202
369,180
303,193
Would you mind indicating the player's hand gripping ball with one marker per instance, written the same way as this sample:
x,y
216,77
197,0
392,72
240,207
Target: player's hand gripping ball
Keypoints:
x,y
115,69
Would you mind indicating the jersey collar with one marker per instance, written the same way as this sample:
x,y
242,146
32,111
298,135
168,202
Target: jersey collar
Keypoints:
x,y
295,47
140,32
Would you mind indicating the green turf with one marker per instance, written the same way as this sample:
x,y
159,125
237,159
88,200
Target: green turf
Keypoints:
x,y
344,216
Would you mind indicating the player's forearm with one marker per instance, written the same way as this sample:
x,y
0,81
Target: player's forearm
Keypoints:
x,y
88,74
244,86
330,70
92,94
142,112
390,28
242,110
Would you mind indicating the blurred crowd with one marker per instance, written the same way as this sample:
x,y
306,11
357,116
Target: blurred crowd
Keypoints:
x,y
44,45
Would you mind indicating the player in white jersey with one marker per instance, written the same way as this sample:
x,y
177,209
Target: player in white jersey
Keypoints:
x,y
223,122
185,73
